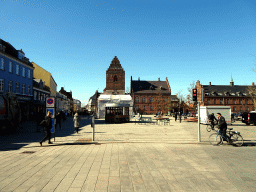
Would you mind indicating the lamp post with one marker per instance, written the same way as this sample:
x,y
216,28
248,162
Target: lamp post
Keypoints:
x,y
180,109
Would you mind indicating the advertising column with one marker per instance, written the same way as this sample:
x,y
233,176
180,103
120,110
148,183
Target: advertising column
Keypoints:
x,y
50,106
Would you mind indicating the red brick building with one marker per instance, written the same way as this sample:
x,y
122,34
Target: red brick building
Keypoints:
x,y
150,97
115,78
235,96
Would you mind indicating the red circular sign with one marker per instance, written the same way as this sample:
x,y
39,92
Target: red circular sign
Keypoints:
x,y
50,101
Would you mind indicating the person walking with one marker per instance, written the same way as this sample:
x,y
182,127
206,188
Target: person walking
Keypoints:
x,y
58,120
175,116
76,120
47,124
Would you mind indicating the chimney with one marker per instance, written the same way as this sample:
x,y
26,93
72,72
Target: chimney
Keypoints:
x,y
158,79
210,83
138,78
252,83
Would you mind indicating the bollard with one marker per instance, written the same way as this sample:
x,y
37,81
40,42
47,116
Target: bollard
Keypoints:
x,y
93,125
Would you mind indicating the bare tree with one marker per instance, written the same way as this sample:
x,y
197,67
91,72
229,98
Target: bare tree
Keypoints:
x,y
252,92
127,90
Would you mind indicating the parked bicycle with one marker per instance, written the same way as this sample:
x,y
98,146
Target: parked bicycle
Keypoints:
x,y
235,138
211,126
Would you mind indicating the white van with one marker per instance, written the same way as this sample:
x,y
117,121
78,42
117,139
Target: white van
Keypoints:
x,y
205,111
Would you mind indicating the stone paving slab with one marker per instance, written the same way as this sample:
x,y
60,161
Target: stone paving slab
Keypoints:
x,y
127,157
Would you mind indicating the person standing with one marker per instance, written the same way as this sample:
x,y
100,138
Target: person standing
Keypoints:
x,y
58,120
175,116
76,120
47,128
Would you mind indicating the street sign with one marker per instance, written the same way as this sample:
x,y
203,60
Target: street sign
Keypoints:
x,y
50,102
52,110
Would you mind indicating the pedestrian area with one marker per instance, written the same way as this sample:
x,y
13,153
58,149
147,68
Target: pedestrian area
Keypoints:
x,y
123,157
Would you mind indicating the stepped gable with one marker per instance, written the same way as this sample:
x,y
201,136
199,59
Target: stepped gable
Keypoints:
x,y
115,64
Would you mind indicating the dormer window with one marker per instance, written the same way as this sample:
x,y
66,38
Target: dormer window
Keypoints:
x,y
140,87
219,93
227,94
151,87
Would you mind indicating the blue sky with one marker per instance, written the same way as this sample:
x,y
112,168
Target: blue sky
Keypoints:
x,y
183,40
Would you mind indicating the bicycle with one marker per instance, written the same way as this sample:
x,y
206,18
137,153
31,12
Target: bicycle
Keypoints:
x,y
210,127
235,138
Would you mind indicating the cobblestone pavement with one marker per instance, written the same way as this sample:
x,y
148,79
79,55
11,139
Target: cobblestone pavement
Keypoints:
x,y
126,157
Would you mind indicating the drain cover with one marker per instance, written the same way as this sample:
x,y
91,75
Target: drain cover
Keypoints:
x,y
30,152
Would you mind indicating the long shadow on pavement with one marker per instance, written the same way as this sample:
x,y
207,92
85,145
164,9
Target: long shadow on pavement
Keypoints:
x,y
27,133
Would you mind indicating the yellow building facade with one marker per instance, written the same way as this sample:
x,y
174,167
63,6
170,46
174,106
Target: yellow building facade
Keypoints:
x,y
40,73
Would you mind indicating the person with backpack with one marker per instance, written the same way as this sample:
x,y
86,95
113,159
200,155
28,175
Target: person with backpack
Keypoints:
x,y
47,124
211,118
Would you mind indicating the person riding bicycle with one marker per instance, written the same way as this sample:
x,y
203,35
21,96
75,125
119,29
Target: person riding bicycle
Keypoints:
x,y
211,118
222,126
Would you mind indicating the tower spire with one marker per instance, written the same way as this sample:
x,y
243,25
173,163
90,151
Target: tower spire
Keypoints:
x,y
231,82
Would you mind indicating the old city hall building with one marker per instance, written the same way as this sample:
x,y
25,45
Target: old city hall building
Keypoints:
x,y
235,96
151,97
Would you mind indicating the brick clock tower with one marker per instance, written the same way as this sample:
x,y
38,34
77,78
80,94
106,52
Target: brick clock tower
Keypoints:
x,y
115,78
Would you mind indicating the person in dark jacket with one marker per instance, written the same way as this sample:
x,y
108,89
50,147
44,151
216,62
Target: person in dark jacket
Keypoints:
x,y
175,116
58,119
211,119
47,128
222,125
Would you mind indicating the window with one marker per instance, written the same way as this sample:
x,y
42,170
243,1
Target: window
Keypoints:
x,y
214,101
166,99
246,101
136,99
234,108
115,78
227,101
247,108
2,64
17,87
144,107
1,84
221,101
208,101
234,101
151,108
17,69
29,74
10,86
10,67
23,71
151,99
240,101
137,107
23,89
35,95
28,89
144,100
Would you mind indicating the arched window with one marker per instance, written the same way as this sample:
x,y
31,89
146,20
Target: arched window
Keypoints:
x,y
136,99
115,78
144,100
151,99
